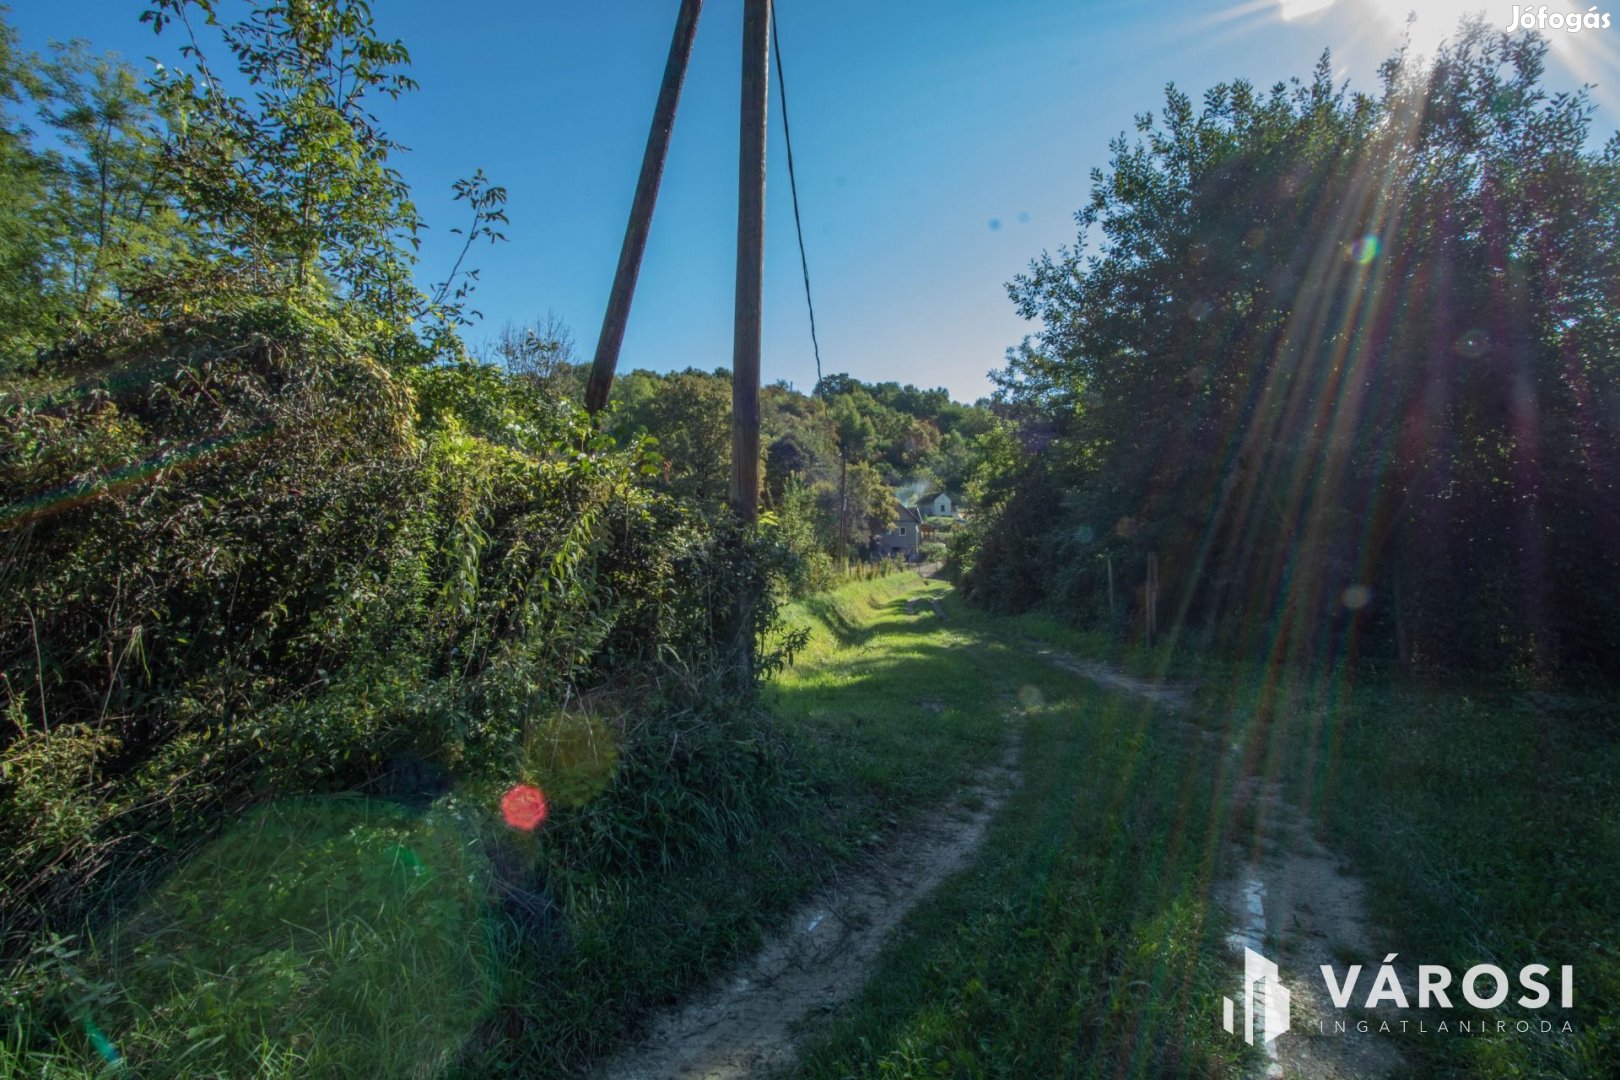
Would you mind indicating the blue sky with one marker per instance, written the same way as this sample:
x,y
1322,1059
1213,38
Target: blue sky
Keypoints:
x,y
940,146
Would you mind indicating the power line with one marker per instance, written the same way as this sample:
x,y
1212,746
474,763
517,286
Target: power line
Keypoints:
x,y
793,186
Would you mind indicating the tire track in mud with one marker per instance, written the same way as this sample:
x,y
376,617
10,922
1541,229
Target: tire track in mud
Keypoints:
x,y
746,1024
1290,893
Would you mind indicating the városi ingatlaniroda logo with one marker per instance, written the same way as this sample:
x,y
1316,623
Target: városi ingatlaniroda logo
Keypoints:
x,y
1267,1003
1264,998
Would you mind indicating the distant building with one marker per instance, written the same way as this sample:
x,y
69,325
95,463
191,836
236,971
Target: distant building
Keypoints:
x,y
936,504
903,539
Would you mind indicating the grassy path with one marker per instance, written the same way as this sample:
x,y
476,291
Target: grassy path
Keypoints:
x,y
1076,924
1088,937
1084,937
823,953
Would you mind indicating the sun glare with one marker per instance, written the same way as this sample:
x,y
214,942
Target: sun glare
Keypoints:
x,y
1588,50
1432,21
1299,9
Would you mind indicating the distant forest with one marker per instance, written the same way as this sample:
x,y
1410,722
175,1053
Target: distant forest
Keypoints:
x,y
839,461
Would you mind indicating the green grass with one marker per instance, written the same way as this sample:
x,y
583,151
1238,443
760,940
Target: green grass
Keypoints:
x,y
1487,828
1484,821
887,711
1483,817
304,943
1081,941
333,938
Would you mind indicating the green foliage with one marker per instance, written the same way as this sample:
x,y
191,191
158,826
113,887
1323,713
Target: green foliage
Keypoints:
x,y
28,311
270,533
869,502
797,531
158,201
689,416
853,428
542,354
246,560
248,563
116,222
299,182
1331,342
850,450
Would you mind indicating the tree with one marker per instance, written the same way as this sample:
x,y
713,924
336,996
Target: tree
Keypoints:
x,y
297,190
540,353
787,461
1334,346
690,417
855,433
871,503
300,183
27,294
116,221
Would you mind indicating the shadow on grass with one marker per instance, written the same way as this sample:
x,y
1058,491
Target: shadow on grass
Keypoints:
x,y
906,708
849,630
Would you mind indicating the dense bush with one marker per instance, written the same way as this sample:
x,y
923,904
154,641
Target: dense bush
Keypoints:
x,y
242,559
290,588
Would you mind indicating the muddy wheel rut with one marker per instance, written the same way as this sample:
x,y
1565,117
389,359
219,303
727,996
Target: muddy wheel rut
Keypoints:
x,y
1290,894
746,1024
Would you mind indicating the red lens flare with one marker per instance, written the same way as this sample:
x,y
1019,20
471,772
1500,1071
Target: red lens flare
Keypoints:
x,y
524,807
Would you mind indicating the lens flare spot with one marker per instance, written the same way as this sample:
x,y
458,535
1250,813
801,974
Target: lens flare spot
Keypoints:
x,y
1474,344
103,1045
1357,597
571,756
405,859
1365,250
1030,697
524,807
1085,534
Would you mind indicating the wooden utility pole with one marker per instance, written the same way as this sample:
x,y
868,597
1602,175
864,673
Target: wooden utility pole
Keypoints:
x,y
750,260
641,209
